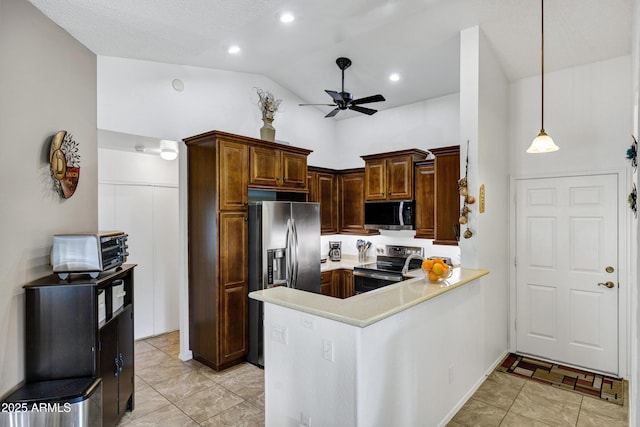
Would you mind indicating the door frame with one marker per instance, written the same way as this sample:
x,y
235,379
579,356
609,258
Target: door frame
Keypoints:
x,y
624,240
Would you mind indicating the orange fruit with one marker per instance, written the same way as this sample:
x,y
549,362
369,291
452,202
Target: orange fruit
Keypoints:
x,y
446,267
433,277
427,264
438,269
438,261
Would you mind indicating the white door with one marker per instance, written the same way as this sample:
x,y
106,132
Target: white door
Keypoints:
x,y
566,259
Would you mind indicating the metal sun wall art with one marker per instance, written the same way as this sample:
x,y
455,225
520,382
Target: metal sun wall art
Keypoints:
x,y
64,159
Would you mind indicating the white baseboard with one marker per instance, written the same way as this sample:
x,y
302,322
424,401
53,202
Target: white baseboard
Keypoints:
x,y
472,390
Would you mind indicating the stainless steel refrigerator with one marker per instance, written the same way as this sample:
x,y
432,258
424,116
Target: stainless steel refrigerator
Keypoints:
x,y
284,250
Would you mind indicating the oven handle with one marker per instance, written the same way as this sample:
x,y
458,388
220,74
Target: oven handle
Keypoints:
x,y
382,276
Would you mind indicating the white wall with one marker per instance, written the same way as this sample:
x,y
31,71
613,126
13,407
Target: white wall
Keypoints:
x,y
136,97
48,83
586,114
484,124
426,124
138,194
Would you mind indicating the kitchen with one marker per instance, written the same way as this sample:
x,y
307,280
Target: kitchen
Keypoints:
x,y
441,121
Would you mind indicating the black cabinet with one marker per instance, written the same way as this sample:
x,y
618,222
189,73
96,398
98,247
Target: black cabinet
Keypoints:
x,y
83,327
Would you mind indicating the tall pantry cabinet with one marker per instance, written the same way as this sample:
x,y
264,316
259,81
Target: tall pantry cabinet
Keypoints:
x,y
220,167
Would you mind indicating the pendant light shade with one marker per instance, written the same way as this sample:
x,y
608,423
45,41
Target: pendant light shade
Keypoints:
x,y
543,142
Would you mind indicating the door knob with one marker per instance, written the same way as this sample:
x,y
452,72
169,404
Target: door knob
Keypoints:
x,y
608,284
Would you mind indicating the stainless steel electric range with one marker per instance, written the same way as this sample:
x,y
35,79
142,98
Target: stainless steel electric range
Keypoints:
x,y
387,269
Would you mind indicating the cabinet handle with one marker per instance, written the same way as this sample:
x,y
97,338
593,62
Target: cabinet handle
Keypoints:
x,y
117,372
121,363
382,193
284,178
246,219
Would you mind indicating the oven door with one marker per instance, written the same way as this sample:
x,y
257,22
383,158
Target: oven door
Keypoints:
x,y
365,281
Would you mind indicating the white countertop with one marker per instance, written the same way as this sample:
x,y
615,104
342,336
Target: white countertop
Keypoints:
x,y
365,309
347,262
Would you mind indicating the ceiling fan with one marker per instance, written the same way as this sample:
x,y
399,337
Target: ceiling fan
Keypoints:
x,y
344,100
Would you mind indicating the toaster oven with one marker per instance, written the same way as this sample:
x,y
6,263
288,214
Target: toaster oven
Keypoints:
x,y
88,253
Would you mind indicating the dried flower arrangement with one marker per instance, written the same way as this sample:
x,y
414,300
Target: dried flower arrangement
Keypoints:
x,y
268,103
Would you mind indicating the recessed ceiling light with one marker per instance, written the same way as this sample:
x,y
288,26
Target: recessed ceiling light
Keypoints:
x,y
394,77
234,49
287,17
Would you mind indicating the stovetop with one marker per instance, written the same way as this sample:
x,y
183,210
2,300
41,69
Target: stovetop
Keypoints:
x,y
393,259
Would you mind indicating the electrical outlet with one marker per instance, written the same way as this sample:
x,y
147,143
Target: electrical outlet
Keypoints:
x,y
327,350
279,334
307,322
305,421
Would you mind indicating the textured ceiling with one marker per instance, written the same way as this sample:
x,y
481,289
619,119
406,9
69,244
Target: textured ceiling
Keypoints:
x,y
417,38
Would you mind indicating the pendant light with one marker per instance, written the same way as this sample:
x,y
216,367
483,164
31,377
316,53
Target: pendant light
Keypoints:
x,y
543,142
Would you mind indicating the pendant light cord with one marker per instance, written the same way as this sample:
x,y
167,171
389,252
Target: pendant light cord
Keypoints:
x,y
542,63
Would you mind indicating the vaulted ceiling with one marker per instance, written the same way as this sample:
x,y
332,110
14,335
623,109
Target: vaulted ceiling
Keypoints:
x,y
418,39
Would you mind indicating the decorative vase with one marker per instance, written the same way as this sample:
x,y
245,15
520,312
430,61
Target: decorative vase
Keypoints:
x,y
267,131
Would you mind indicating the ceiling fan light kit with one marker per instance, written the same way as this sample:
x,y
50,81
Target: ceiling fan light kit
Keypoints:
x,y
344,100
543,142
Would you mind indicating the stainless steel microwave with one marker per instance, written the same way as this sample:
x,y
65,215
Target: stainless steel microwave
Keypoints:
x,y
395,215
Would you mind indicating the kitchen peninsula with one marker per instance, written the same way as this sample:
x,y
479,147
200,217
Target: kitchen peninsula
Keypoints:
x,y
405,354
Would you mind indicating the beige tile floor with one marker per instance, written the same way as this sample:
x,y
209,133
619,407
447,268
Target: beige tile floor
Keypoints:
x,y
170,392
508,401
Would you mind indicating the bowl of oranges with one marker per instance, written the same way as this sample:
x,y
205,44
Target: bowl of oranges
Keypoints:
x,y
436,269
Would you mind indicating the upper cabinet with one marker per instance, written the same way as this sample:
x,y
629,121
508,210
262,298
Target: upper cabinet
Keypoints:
x,y
447,197
233,158
425,199
279,169
389,176
323,188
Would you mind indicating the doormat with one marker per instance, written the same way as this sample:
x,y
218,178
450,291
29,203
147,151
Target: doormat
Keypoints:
x,y
565,377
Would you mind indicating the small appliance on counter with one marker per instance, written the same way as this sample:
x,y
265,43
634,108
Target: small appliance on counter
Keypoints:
x,y
335,251
90,253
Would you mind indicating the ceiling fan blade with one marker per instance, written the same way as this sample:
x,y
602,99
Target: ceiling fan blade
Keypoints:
x,y
328,105
333,112
368,99
337,97
364,110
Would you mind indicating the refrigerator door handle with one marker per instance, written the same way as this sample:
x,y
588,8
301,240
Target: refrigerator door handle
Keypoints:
x,y
294,239
288,255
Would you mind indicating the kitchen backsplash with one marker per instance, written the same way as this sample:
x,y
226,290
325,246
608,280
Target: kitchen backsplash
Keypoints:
x,y
404,238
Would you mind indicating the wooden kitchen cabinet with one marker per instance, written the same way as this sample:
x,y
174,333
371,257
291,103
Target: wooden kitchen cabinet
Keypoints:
x,y
346,283
329,286
67,336
447,197
351,187
234,161
221,168
324,189
218,171
277,169
389,176
425,199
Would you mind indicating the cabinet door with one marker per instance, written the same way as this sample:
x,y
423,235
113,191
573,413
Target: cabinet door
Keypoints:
x,y
351,207
346,283
425,198
328,198
125,356
233,286
326,283
400,178
447,202
375,179
294,170
312,186
233,161
109,372
265,168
